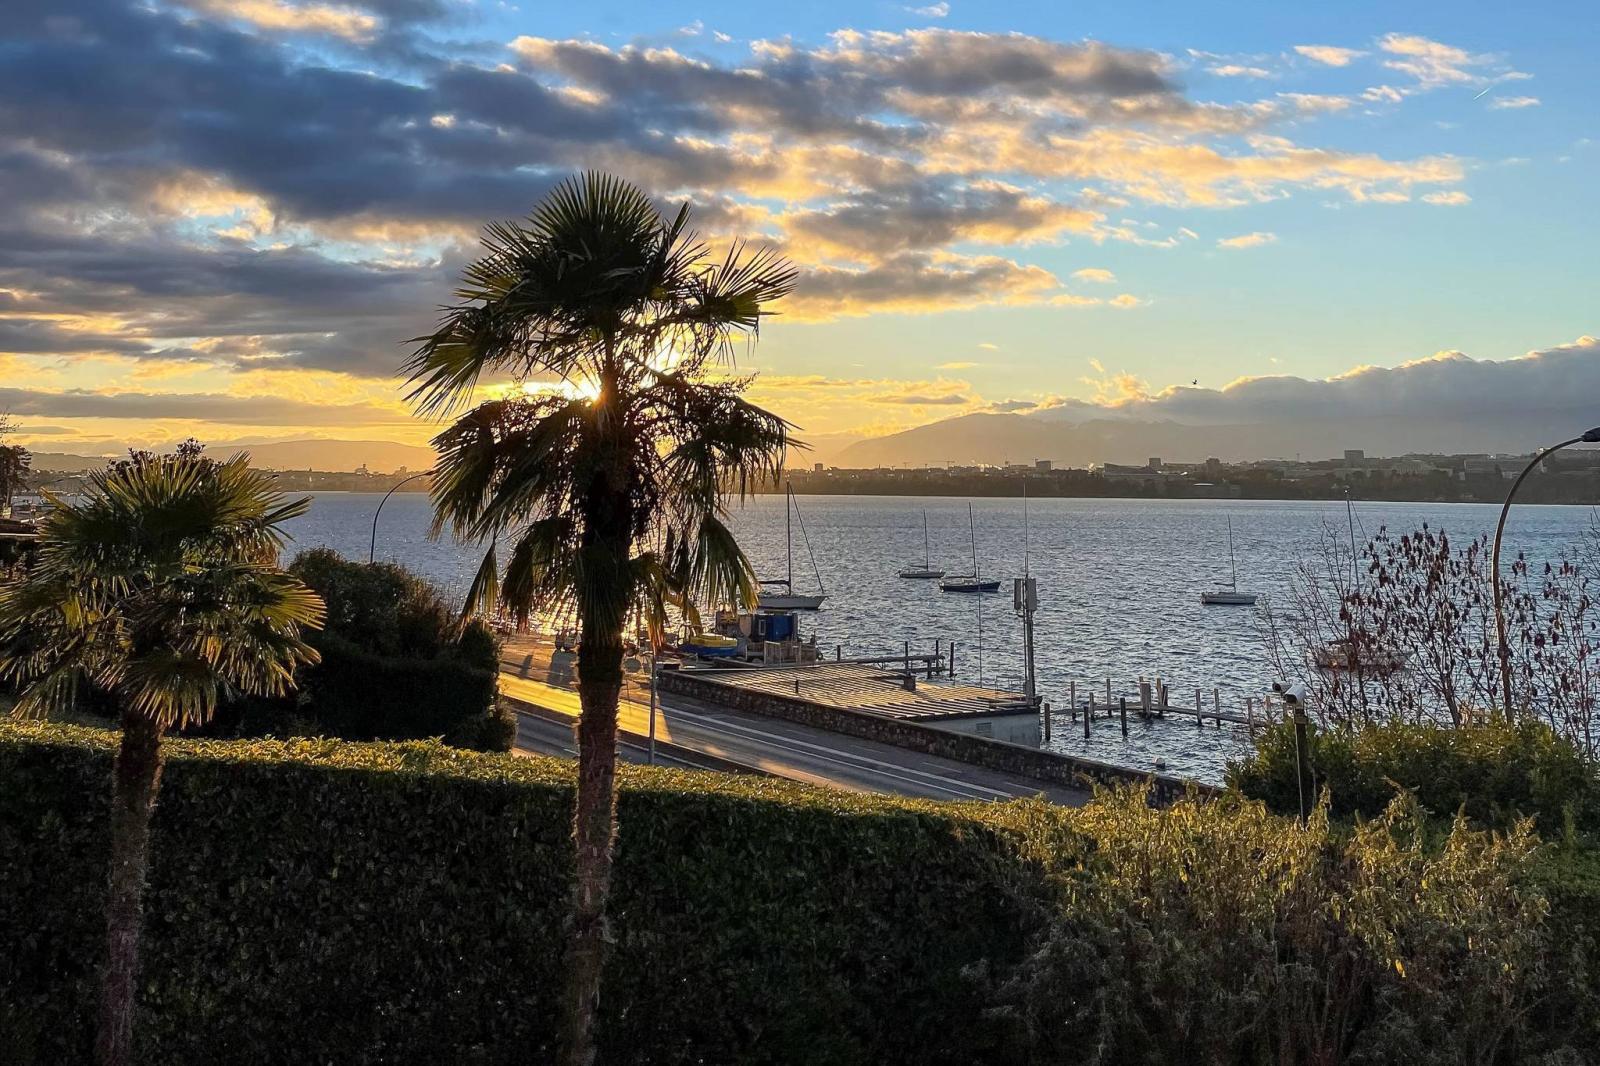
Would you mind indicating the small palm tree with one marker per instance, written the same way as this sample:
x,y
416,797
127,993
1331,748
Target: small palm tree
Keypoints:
x,y
158,592
608,473
14,463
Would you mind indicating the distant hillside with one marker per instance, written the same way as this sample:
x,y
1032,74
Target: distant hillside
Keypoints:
x,y
64,462
1001,438
379,456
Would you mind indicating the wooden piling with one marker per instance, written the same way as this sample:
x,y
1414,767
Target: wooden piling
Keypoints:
x,y
1072,698
1198,721
1088,715
1122,705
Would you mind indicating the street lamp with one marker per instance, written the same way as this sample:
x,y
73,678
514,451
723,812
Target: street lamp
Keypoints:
x,y
372,550
652,699
1591,437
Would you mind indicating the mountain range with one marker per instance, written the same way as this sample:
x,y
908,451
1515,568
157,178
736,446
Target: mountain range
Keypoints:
x,y
1446,403
379,456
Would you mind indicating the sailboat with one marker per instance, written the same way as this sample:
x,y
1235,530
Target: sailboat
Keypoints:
x,y
788,599
970,582
926,570
1228,594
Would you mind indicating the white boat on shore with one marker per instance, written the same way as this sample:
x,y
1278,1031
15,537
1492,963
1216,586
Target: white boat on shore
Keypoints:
x,y
1349,653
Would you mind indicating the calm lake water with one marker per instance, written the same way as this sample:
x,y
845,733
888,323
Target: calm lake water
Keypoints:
x,y
1119,586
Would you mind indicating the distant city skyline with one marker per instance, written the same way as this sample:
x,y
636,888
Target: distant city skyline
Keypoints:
x,y
225,218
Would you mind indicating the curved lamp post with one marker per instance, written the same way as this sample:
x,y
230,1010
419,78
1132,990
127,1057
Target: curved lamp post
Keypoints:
x,y
372,550
1591,437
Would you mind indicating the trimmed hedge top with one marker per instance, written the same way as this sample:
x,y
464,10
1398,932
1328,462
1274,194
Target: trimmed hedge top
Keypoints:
x,y
323,901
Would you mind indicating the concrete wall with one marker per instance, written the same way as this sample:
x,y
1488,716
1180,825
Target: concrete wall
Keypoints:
x,y
1011,728
1017,759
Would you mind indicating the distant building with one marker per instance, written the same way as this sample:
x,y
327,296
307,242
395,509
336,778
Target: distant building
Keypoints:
x,y
1354,455
1042,465
816,468
1504,468
1118,472
1153,463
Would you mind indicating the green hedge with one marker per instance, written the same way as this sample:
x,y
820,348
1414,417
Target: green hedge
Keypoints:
x,y
325,902
1494,772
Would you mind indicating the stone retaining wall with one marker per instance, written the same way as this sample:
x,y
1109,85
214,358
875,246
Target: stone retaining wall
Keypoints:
x,y
1036,763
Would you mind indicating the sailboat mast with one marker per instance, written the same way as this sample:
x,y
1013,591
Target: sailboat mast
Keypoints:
x,y
1024,526
927,556
1232,565
788,529
972,530
1350,515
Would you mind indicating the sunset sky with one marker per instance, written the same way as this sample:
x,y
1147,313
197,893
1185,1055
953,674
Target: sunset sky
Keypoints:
x,y
224,217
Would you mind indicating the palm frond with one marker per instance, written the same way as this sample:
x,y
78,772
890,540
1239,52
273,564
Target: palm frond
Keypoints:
x,y
613,504
160,587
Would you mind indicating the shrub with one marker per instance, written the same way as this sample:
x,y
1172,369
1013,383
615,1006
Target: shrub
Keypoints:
x,y
1218,933
397,664
1494,771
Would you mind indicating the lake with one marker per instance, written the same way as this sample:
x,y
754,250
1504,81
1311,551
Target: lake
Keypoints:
x,y
1119,586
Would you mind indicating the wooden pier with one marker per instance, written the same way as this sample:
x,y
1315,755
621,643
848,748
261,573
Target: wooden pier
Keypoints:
x,y
1153,700
863,686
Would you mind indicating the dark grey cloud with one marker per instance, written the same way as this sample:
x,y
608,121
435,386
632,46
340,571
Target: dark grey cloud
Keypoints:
x,y
932,213
121,119
917,282
24,336
197,407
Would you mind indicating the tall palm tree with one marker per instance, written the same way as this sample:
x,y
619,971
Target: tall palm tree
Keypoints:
x,y
160,592
609,471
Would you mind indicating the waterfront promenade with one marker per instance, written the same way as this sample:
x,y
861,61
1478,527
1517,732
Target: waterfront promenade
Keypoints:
x,y
691,732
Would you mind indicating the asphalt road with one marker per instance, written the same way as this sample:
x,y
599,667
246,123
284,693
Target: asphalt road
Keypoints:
x,y
530,680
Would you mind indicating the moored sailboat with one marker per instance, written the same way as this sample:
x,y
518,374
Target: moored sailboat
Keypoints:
x,y
1227,594
925,571
788,599
972,582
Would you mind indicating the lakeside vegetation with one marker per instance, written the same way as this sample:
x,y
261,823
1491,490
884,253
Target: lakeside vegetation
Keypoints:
x,y
405,903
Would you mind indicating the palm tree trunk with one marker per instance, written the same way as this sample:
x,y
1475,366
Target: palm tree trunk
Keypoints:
x,y
135,777
593,831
